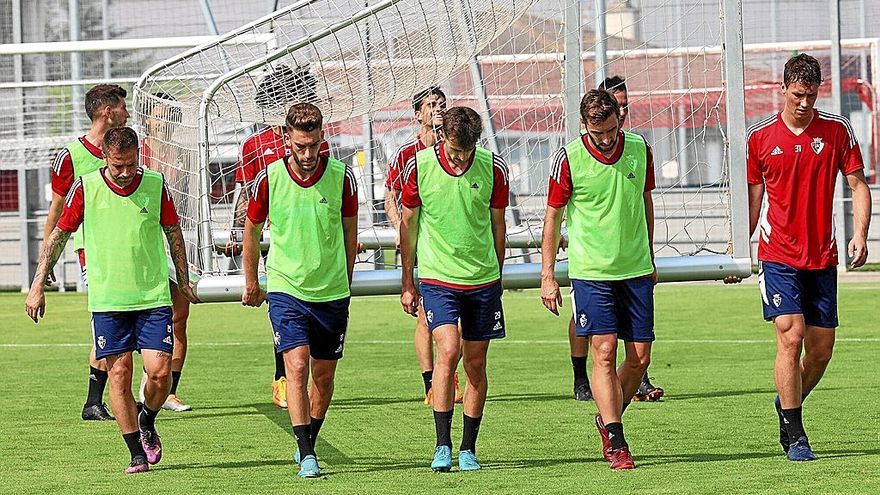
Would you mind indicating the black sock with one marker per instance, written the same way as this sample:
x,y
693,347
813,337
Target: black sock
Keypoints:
x,y
443,426
133,441
428,378
623,408
645,376
303,440
147,419
314,428
794,424
97,382
615,434
579,366
279,365
470,430
175,378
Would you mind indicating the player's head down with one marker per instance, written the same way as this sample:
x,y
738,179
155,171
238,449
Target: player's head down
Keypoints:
x,y
107,102
284,86
120,150
600,114
616,85
800,85
429,105
304,133
462,128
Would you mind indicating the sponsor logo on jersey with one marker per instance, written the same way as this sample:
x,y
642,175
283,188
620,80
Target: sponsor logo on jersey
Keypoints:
x,y
167,340
144,210
582,320
101,341
323,201
776,151
475,186
798,148
631,176
429,316
777,300
818,145
498,326
268,151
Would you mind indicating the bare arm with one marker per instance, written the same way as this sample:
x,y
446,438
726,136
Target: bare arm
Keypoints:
x,y
241,205
52,217
181,265
35,304
499,235
350,238
391,197
550,295
756,197
253,295
409,233
861,204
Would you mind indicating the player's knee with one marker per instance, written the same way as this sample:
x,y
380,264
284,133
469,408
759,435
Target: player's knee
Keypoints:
x,y
604,353
159,374
448,352
297,370
475,365
820,356
638,362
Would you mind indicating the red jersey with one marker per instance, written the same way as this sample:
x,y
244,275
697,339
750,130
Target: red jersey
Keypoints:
x,y
258,205
74,204
62,167
261,149
559,190
398,163
799,173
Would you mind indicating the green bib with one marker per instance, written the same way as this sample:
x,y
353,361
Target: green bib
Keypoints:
x,y
125,246
307,249
455,243
84,162
607,230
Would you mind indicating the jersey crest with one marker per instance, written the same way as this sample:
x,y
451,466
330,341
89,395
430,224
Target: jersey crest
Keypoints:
x,y
817,145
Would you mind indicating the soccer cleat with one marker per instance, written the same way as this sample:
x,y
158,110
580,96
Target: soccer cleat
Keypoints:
x,y
467,461
442,462
583,392
429,397
309,468
152,446
801,451
648,391
172,403
459,395
621,459
606,442
783,434
138,465
96,412
279,392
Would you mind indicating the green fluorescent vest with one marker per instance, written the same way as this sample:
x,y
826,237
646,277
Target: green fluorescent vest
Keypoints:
x,y
307,249
455,242
84,162
607,230
124,242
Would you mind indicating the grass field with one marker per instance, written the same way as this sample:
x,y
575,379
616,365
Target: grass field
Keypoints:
x,y
714,433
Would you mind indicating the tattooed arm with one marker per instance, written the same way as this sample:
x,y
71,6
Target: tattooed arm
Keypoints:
x,y
35,304
181,266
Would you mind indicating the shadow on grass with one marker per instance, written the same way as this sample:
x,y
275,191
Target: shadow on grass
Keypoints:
x,y
529,397
715,394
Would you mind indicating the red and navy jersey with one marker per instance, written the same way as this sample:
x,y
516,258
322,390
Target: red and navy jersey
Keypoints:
x,y
398,163
261,149
74,203
258,205
799,173
62,167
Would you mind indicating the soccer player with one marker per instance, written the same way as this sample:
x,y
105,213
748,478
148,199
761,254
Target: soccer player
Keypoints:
x,y
311,257
266,146
124,210
454,197
604,181
795,156
158,153
428,106
105,107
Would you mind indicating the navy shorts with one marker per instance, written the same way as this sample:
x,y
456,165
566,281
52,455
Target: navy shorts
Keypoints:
x,y
319,325
118,332
624,307
480,311
789,291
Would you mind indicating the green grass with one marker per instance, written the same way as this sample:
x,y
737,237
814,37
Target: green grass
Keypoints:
x,y
715,433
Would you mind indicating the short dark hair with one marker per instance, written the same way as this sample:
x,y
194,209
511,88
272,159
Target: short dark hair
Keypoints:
x,y
598,105
304,117
613,84
284,86
803,69
174,115
462,125
103,95
420,97
120,139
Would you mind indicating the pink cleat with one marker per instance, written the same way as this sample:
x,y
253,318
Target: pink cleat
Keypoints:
x,y
152,446
138,465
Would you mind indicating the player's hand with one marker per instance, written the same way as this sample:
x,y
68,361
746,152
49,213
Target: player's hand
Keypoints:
x,y
550,295
409,299
50,278
253,296
563,244
732,279
189,292
858,251
35,304
361,248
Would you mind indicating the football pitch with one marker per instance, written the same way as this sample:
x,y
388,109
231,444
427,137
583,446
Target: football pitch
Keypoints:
x,y
715,432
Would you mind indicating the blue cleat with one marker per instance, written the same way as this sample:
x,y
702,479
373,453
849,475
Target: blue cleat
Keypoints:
x,y
309,467
801,451
783,434
442,462
296,458
467,461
